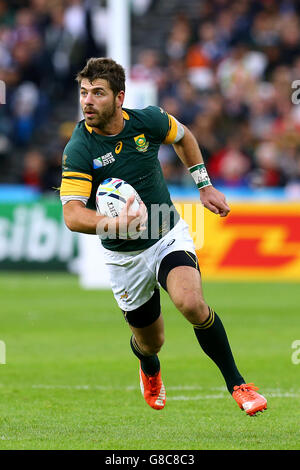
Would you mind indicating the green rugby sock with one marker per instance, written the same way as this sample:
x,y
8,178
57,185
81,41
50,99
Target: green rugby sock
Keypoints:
x,y
212,338
150,364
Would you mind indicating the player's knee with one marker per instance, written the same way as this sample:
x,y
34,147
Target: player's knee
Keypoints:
x,y
153,347
193,307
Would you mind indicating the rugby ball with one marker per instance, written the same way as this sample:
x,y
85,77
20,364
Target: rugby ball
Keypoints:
x,y
112,195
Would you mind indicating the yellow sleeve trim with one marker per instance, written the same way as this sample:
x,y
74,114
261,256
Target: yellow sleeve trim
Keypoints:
x,y
68,174
75,187
172,133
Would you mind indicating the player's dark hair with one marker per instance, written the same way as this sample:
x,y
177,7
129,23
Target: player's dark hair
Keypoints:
x,y
107,69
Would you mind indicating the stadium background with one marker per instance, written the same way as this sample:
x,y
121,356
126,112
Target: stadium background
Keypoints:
x,y
223,68
226,69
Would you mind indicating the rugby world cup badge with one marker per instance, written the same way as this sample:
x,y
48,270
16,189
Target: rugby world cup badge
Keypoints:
x,y
141,143
103,160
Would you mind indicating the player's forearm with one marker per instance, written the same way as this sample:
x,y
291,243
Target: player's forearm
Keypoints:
x,y
80,219
188,150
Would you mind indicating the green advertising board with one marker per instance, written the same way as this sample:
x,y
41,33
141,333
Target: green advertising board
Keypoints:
x,y
34,236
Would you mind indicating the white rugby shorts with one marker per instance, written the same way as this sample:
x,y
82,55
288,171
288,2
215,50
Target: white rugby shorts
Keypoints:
x,y
133,275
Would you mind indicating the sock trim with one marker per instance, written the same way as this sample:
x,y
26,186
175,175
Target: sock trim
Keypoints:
x,y
208,322
136,346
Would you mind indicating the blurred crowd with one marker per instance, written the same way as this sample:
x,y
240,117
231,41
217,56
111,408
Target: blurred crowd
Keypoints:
x,y
229,72
43,44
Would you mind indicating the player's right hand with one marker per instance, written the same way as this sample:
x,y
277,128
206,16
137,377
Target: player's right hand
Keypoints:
x,y
131,221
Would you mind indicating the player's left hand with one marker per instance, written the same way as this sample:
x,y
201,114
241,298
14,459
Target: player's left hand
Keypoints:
x,y
214,200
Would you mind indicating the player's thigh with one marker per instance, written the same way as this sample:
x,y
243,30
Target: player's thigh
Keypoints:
x,y
178,273
184,287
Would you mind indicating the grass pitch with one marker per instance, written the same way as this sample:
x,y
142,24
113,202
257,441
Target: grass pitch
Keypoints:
x,y
71,381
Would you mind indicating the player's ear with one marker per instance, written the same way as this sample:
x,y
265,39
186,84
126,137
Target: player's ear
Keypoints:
x,y
120,98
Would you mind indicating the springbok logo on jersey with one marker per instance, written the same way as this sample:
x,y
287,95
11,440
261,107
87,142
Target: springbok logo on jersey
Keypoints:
x,y
141,143
103,160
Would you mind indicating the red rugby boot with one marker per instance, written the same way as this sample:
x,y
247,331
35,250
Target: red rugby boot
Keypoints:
x,y
248,399
153,390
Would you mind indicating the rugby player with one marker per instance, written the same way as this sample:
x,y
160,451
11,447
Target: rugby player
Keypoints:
x,y
114,142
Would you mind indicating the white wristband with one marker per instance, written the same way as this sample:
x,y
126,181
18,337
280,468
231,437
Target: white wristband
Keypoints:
x,y
200,175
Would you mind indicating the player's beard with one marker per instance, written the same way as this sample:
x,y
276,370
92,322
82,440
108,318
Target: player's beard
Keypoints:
x,y
102,119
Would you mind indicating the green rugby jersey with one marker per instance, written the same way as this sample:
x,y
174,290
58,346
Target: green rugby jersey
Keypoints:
x,y
131,155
